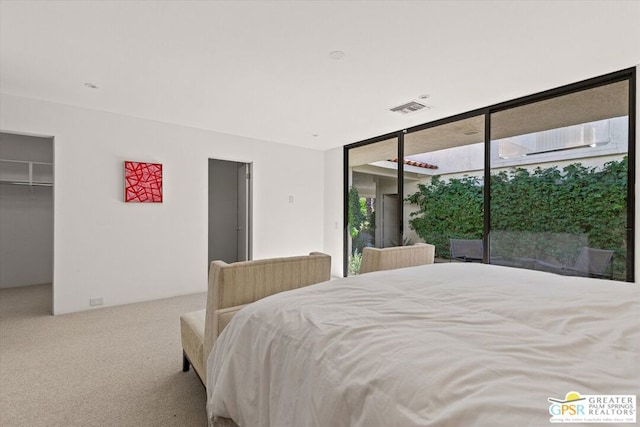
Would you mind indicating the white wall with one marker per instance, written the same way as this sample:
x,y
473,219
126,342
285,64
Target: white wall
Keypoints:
x,y
136,252
333,215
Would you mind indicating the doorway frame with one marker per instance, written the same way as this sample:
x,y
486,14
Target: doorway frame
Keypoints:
x,y
52,138
249,202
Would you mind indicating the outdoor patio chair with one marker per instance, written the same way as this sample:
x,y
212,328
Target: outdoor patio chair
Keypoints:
x,y
467,250
591,262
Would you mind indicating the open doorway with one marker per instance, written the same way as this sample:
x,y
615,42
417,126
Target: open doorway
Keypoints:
x,y
229,211
26,218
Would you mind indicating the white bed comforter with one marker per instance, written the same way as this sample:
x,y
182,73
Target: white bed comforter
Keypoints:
x,y
438,345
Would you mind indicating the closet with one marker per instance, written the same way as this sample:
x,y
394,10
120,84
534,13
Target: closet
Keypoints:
x,y
26,210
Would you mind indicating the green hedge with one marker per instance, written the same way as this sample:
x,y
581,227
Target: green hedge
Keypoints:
x,y
546,214
447,209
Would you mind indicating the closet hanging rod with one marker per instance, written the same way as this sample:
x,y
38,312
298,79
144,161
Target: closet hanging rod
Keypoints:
x,y
27,184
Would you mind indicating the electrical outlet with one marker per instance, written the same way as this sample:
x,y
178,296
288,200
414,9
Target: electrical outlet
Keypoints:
x,y
96,301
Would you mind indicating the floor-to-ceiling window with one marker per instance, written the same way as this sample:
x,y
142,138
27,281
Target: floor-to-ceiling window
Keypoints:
x,y
558,168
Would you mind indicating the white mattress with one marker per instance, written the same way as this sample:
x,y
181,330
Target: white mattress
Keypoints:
x,y
455,344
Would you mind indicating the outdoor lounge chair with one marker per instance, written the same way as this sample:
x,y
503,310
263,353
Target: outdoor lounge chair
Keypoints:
x,y
591,262
466,250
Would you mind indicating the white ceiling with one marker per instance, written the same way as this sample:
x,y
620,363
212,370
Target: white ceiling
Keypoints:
x,y
262,69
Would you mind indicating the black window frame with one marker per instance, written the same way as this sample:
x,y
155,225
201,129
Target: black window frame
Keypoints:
x,y
628,74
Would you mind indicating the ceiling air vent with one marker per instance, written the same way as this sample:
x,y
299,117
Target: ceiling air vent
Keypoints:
x,y
409,107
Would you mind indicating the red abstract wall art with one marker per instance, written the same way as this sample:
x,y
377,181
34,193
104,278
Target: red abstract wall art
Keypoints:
x,y
142,182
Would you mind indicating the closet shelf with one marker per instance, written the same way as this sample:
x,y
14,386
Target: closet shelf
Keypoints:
x,y
26,173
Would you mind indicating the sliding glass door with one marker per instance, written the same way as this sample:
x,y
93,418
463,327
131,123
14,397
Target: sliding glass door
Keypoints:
x,y
373,204
443,187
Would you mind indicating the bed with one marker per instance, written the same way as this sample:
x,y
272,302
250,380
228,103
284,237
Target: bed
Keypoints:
x,y
453,344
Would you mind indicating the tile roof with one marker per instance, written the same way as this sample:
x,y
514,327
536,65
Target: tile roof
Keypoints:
x,y
416,164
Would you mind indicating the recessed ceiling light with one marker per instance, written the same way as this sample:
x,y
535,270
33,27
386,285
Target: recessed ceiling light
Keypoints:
x,y
92,85
336,54
425,96
315,134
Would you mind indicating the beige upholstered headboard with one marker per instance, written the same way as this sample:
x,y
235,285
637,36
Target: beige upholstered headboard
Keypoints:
x,y
231,286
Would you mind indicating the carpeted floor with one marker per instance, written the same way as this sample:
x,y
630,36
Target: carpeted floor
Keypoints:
x,y
116,366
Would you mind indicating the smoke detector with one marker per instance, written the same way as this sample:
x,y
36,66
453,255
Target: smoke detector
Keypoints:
x,y
410,107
